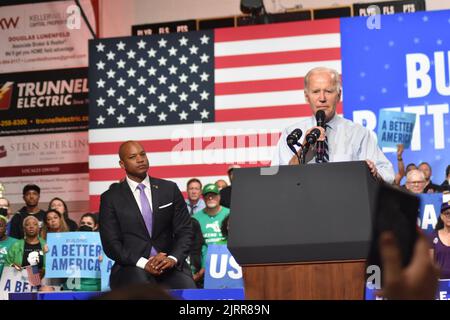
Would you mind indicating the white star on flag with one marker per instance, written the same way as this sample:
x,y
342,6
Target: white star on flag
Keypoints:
x,y
204,95
183,115
162,79
120,64
111,92
131,54
183,41
204,58
183,96
110,55
121,82
173,69
121,46
131,109
183,78
141,117
101,120
151,108
100,65
141,62
121,100
193,68
162,43
131,72
172,51
162,61
101,101
111,110
204,76
101,83
151,89
151,53
131,91
141,44
193,49
193,105
204,39
111,74
151,71
193,86
183,59
121,119
173,88
162,116
100,47
162,98
173,106
204,114
141,99
141,81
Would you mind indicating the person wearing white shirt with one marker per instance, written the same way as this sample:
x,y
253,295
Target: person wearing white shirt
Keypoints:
x,y
346,140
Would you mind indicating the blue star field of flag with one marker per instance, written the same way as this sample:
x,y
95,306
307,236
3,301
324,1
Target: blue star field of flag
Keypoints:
x,y
154,80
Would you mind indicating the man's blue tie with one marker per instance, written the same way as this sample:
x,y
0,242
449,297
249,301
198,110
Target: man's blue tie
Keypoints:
x,y
146,212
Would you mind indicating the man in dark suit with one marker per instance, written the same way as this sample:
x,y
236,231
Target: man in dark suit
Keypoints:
x,y
145,226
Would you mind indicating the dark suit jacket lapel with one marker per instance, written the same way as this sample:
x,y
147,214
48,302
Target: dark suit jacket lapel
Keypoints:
x,y
129,197
155,201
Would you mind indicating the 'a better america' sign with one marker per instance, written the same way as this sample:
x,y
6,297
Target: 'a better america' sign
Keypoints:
x,y
73,254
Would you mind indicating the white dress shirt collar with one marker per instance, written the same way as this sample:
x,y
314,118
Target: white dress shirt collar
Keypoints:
x,y
133,184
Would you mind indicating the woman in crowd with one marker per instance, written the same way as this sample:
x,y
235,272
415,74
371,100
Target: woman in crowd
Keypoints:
x,y
88,222
61,206
53,222
440,246
22,250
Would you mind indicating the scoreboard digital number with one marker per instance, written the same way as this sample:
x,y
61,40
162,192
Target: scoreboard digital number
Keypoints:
x,y
388,7
163,28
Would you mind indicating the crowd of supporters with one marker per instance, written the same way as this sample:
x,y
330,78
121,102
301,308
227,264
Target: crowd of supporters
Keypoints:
x,y
209,205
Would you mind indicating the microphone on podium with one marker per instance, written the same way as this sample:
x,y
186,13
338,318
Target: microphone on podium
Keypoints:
x,y
320,118
293,139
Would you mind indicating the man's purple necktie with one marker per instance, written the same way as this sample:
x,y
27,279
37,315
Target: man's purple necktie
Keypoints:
x,y
146,212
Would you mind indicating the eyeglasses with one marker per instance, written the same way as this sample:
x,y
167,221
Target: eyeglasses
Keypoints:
x,y
416,182
446,213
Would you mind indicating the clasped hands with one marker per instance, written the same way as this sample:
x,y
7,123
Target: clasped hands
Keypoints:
x,y
156,265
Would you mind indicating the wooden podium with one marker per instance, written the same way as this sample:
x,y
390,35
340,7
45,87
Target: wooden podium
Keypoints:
x,y
306,281
304,232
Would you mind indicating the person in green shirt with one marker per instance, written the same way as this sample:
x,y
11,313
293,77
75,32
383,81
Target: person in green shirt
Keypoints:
x,y
5,241
210,220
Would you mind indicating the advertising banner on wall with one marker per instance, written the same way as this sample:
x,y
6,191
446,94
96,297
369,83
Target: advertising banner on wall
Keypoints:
x,y
43,102
44,36
55,162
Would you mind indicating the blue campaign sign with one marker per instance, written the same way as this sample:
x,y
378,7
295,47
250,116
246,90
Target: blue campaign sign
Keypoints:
x,y
105,268
395,128
430,208
443,291
73,255
401,66
222,270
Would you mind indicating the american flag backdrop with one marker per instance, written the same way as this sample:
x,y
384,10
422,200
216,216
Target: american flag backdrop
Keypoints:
x,y
201,101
